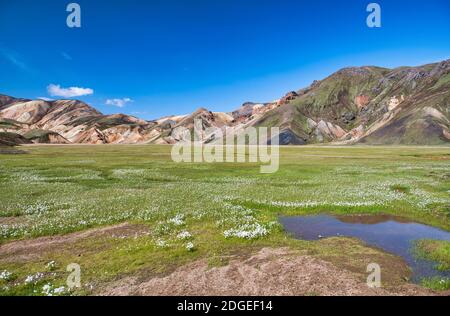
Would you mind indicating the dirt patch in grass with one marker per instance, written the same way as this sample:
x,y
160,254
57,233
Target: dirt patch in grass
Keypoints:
x,y
280,271
24,250
12,220
353,255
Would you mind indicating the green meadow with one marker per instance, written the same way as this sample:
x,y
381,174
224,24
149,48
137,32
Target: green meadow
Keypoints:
x,y
185,211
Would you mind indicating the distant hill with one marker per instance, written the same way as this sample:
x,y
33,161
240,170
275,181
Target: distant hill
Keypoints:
x,y
369,105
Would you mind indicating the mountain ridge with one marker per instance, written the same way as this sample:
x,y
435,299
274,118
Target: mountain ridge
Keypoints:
x,y
368,104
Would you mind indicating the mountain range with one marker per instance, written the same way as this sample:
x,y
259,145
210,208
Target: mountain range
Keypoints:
x,y
368,105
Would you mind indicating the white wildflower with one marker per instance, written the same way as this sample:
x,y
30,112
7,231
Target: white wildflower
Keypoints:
x,y
51,265
184,235
190,246
5,275
247,231
161,243
178,220
59,290
34,278
47,289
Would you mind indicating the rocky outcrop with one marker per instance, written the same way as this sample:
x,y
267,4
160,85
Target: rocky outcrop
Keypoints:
x,y
38,136
12,139
290,96
361,101
325,131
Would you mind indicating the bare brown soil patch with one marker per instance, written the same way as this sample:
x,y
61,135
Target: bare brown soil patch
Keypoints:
x,y
23,250
354,256
12,220
269,272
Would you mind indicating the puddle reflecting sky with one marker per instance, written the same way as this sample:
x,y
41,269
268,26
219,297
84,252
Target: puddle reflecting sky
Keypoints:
x,y
392,234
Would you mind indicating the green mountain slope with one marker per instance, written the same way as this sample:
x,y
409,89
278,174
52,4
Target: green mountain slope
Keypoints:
x,y
408,105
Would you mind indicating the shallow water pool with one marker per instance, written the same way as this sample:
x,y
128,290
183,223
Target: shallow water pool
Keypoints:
x,y
395,235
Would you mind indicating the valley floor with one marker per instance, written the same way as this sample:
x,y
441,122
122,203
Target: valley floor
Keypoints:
x,y
137,223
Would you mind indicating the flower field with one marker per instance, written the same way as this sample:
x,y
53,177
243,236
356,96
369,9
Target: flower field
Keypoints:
x,y
190,210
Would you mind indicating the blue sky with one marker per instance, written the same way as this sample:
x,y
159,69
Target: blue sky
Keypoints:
x,y
171,57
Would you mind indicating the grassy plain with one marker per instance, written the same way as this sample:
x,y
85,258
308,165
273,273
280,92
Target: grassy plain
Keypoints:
x,y
183,212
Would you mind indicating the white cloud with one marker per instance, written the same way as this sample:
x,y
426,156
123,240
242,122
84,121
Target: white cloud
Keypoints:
x,y
118,102
45,99
57,91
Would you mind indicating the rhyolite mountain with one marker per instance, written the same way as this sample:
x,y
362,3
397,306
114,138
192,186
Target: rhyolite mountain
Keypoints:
x,y
373,105
368,105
